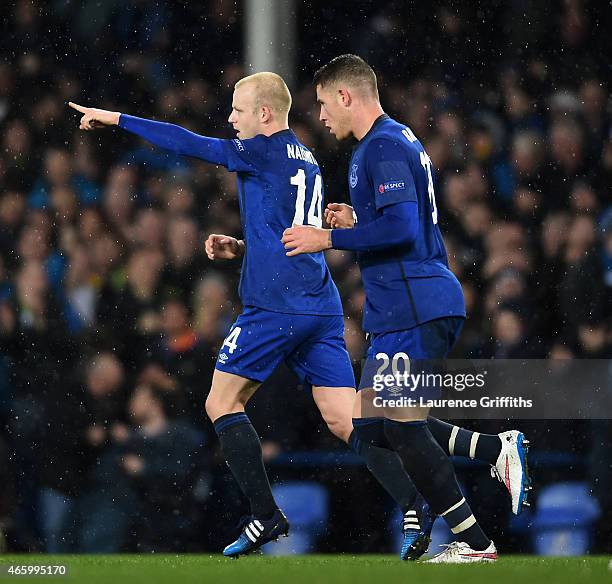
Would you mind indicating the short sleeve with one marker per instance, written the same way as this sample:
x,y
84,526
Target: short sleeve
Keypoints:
x,y
389,168
246,155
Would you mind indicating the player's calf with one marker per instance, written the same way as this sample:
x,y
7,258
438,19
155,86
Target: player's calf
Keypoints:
x,y
239,441
434,477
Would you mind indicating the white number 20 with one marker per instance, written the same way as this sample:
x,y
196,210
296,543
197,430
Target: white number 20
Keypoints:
x,y
314,211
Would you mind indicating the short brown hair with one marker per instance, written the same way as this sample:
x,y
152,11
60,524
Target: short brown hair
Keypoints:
x,y
349,69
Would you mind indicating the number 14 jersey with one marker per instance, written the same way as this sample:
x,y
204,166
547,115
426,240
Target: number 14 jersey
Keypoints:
x,y
280,185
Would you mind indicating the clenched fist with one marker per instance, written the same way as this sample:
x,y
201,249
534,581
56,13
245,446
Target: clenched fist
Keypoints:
x,y
223,247
339,216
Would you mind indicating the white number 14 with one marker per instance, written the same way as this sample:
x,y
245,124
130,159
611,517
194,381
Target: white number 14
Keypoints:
x,y
314,211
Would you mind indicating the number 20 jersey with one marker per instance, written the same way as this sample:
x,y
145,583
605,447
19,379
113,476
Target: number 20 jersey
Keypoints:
x,y
407,285
280,184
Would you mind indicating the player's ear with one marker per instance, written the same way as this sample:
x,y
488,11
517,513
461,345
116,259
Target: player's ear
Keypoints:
x,y
265,114
344,97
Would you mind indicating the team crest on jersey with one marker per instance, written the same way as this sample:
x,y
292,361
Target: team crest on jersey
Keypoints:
x,y
223,357
353,176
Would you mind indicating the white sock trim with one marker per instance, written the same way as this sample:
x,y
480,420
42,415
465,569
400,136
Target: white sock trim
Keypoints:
x,y
473,443
455,506
451,440
465,524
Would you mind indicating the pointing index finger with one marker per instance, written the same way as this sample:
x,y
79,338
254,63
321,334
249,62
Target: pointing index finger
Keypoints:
x,y
77,107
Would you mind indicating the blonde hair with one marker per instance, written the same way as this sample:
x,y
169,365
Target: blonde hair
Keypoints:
x,y
270,90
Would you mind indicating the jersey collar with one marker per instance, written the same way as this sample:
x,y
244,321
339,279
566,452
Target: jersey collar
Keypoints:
x,y
281,133
381,118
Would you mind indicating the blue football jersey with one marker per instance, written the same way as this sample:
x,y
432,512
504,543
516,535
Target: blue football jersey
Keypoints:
x,y
280,185
406,285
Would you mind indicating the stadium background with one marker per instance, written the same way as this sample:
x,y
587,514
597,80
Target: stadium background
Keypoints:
x,y
110,314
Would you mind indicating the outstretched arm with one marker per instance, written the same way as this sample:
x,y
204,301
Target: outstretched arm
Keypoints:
x,y
167,136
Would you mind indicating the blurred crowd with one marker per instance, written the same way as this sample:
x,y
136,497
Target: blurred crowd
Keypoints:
x,y
110,312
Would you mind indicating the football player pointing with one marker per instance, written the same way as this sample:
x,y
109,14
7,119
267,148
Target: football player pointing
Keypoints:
x,y
292,310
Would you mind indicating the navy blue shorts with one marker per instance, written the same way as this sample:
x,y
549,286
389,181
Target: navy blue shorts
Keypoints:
x,y
430,340
312,346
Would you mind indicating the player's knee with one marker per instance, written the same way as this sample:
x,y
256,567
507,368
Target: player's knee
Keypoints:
x,y
220,403
212,406
371,431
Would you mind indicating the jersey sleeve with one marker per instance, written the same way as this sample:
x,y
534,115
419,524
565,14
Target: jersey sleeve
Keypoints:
x,y
233,154
398,225
391,174
245,155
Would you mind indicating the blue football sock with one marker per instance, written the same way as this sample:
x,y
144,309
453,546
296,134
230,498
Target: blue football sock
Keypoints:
x,y
433,475
242,450
386,467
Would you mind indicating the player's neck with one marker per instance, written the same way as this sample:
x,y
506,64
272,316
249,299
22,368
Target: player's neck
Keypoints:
x,y
270,129
364,119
